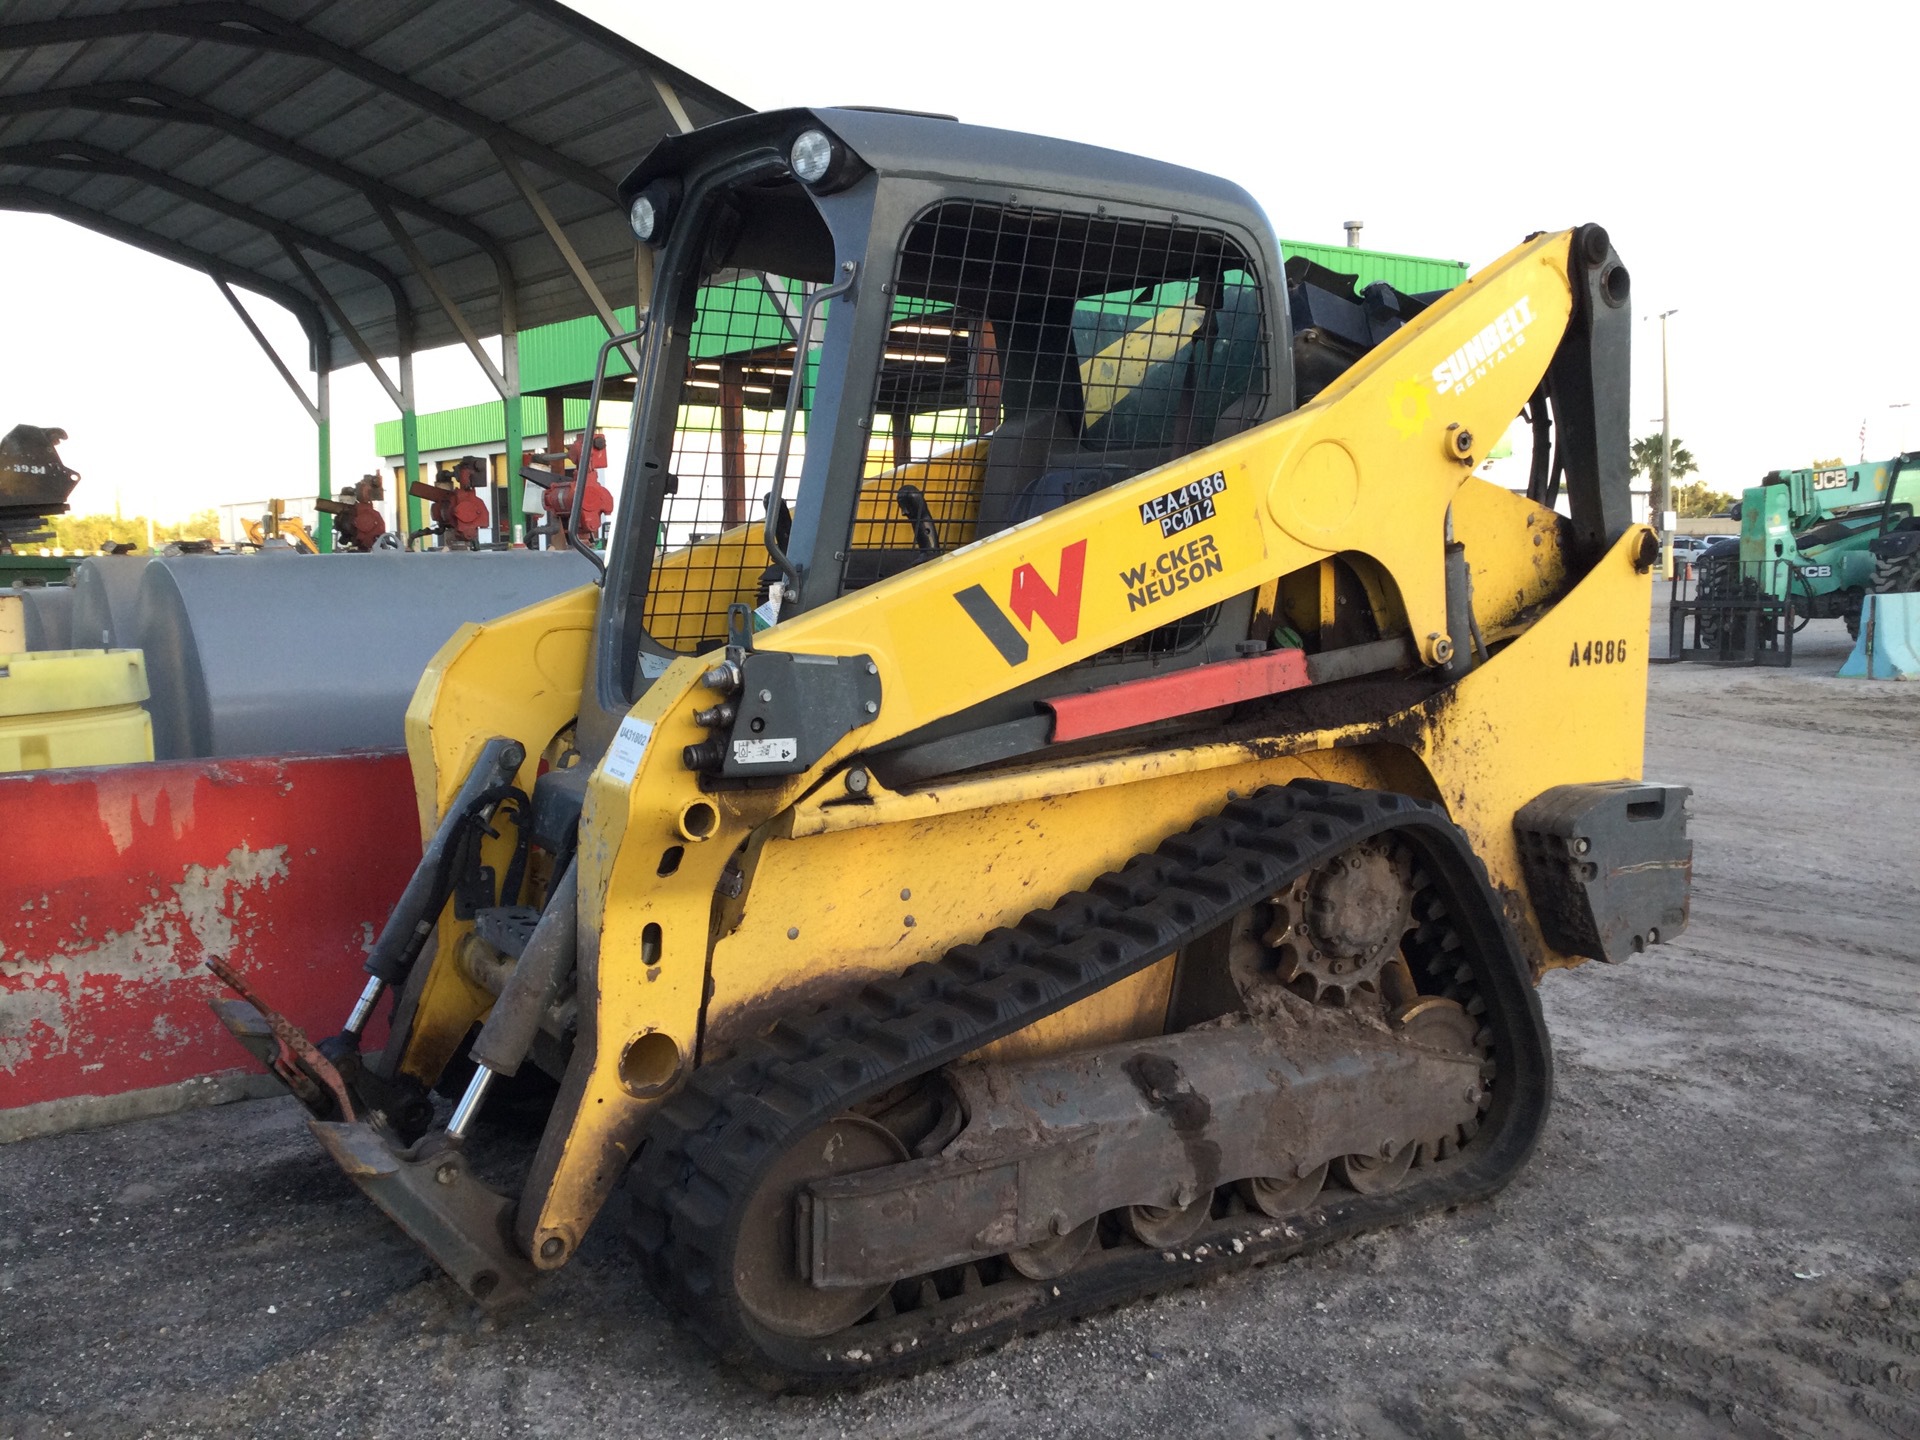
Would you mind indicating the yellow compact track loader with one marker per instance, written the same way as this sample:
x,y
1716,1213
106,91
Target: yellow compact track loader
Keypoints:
x,y
1068,780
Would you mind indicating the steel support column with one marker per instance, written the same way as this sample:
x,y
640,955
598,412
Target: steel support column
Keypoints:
x,y
401,394
319,409
409,440
323,529
516,440
505,378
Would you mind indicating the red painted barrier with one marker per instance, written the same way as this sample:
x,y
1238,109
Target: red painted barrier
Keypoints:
x,y
116,883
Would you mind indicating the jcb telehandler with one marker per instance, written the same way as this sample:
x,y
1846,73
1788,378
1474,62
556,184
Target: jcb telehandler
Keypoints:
x,y
1819,540
1068,781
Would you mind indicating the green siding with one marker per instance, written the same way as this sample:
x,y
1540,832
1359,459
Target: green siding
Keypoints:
x,y
563,353
476,425
741,316
738,316
1410,274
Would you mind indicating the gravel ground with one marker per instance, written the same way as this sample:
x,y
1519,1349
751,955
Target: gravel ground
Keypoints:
x,y
1718,1235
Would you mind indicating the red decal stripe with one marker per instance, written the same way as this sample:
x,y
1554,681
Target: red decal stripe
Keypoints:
x,y
1161,697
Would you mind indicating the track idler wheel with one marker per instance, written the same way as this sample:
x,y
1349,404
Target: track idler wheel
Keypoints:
x,y
1374,1174
764,1275
1167,1227
1053,1257
1277,1199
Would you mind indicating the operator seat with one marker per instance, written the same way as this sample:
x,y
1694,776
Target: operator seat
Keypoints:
x,y
1019,452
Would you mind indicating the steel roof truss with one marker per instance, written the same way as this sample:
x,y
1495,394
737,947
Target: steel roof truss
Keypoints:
x,y
558,236
25,197
260,338
430,277
157,104
671,99
82,157
401,394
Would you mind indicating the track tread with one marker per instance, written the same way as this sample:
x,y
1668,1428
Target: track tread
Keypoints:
x,y
703,1153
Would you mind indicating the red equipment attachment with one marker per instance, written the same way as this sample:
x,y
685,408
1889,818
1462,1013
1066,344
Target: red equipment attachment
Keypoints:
x,y
595,504
358,521
459,514
364,527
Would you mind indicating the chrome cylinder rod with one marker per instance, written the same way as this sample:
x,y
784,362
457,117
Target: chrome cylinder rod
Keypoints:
x,y
363,1007
469,1106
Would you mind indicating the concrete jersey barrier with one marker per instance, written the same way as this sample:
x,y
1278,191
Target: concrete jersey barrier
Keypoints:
x,y
1888,647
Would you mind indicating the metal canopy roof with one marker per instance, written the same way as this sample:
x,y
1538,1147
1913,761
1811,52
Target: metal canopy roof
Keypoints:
x,y
373,165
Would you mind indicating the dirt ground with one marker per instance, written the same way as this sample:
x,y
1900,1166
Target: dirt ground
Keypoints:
x,y
1718,1236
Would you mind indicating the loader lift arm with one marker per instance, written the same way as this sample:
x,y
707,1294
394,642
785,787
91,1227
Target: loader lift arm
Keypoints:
x,y
1371,466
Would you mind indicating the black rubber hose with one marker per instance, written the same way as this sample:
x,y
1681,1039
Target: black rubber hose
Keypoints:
x,y
412,920
1542,473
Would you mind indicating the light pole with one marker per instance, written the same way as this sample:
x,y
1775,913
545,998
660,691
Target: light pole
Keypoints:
x,y
1665,494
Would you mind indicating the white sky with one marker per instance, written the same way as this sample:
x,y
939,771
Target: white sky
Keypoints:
x,y
1753,164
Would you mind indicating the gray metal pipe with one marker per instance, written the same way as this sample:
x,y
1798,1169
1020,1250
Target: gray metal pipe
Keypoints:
x,y
106,601
48,613
259,655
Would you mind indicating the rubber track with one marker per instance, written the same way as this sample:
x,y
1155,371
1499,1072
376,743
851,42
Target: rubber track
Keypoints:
x,y
706,1149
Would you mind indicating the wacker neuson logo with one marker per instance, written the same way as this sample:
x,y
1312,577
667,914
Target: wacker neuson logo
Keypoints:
x,y
1472,360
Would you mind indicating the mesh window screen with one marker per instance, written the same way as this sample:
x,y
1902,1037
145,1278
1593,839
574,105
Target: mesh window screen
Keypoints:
x,y
1035,357
741,358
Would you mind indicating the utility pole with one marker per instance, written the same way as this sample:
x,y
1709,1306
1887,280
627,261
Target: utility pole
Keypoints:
x,y
1663,492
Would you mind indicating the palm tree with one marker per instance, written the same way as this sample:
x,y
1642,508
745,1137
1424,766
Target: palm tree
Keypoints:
x,y
1646,458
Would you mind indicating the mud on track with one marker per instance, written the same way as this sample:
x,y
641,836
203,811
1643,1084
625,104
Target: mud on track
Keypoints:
x,y
1720,1233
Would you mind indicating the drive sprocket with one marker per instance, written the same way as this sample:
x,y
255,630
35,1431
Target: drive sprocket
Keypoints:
x,y
1336,928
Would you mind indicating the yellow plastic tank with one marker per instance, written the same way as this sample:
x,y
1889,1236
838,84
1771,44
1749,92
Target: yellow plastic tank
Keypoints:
x,y
73,707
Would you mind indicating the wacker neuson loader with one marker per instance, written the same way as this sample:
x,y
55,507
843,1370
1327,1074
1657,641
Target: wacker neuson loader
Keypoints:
x,y
1067,783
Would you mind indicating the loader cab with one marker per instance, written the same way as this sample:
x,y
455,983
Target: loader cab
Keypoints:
x,y
921,333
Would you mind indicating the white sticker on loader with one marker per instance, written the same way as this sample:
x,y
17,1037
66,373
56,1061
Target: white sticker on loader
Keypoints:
x,y
764,752
629,744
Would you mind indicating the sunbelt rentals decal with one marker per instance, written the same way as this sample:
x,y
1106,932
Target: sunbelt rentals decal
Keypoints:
x,y
1467,365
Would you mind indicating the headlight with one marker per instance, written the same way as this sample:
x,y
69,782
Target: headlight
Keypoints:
x,y
812,156
643,217
652,211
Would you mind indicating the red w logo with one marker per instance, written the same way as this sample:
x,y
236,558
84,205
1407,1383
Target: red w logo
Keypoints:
x,y
1060,607
1057,605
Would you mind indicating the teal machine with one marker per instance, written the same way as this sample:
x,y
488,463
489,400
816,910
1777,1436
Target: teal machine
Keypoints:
x,y
1806,551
